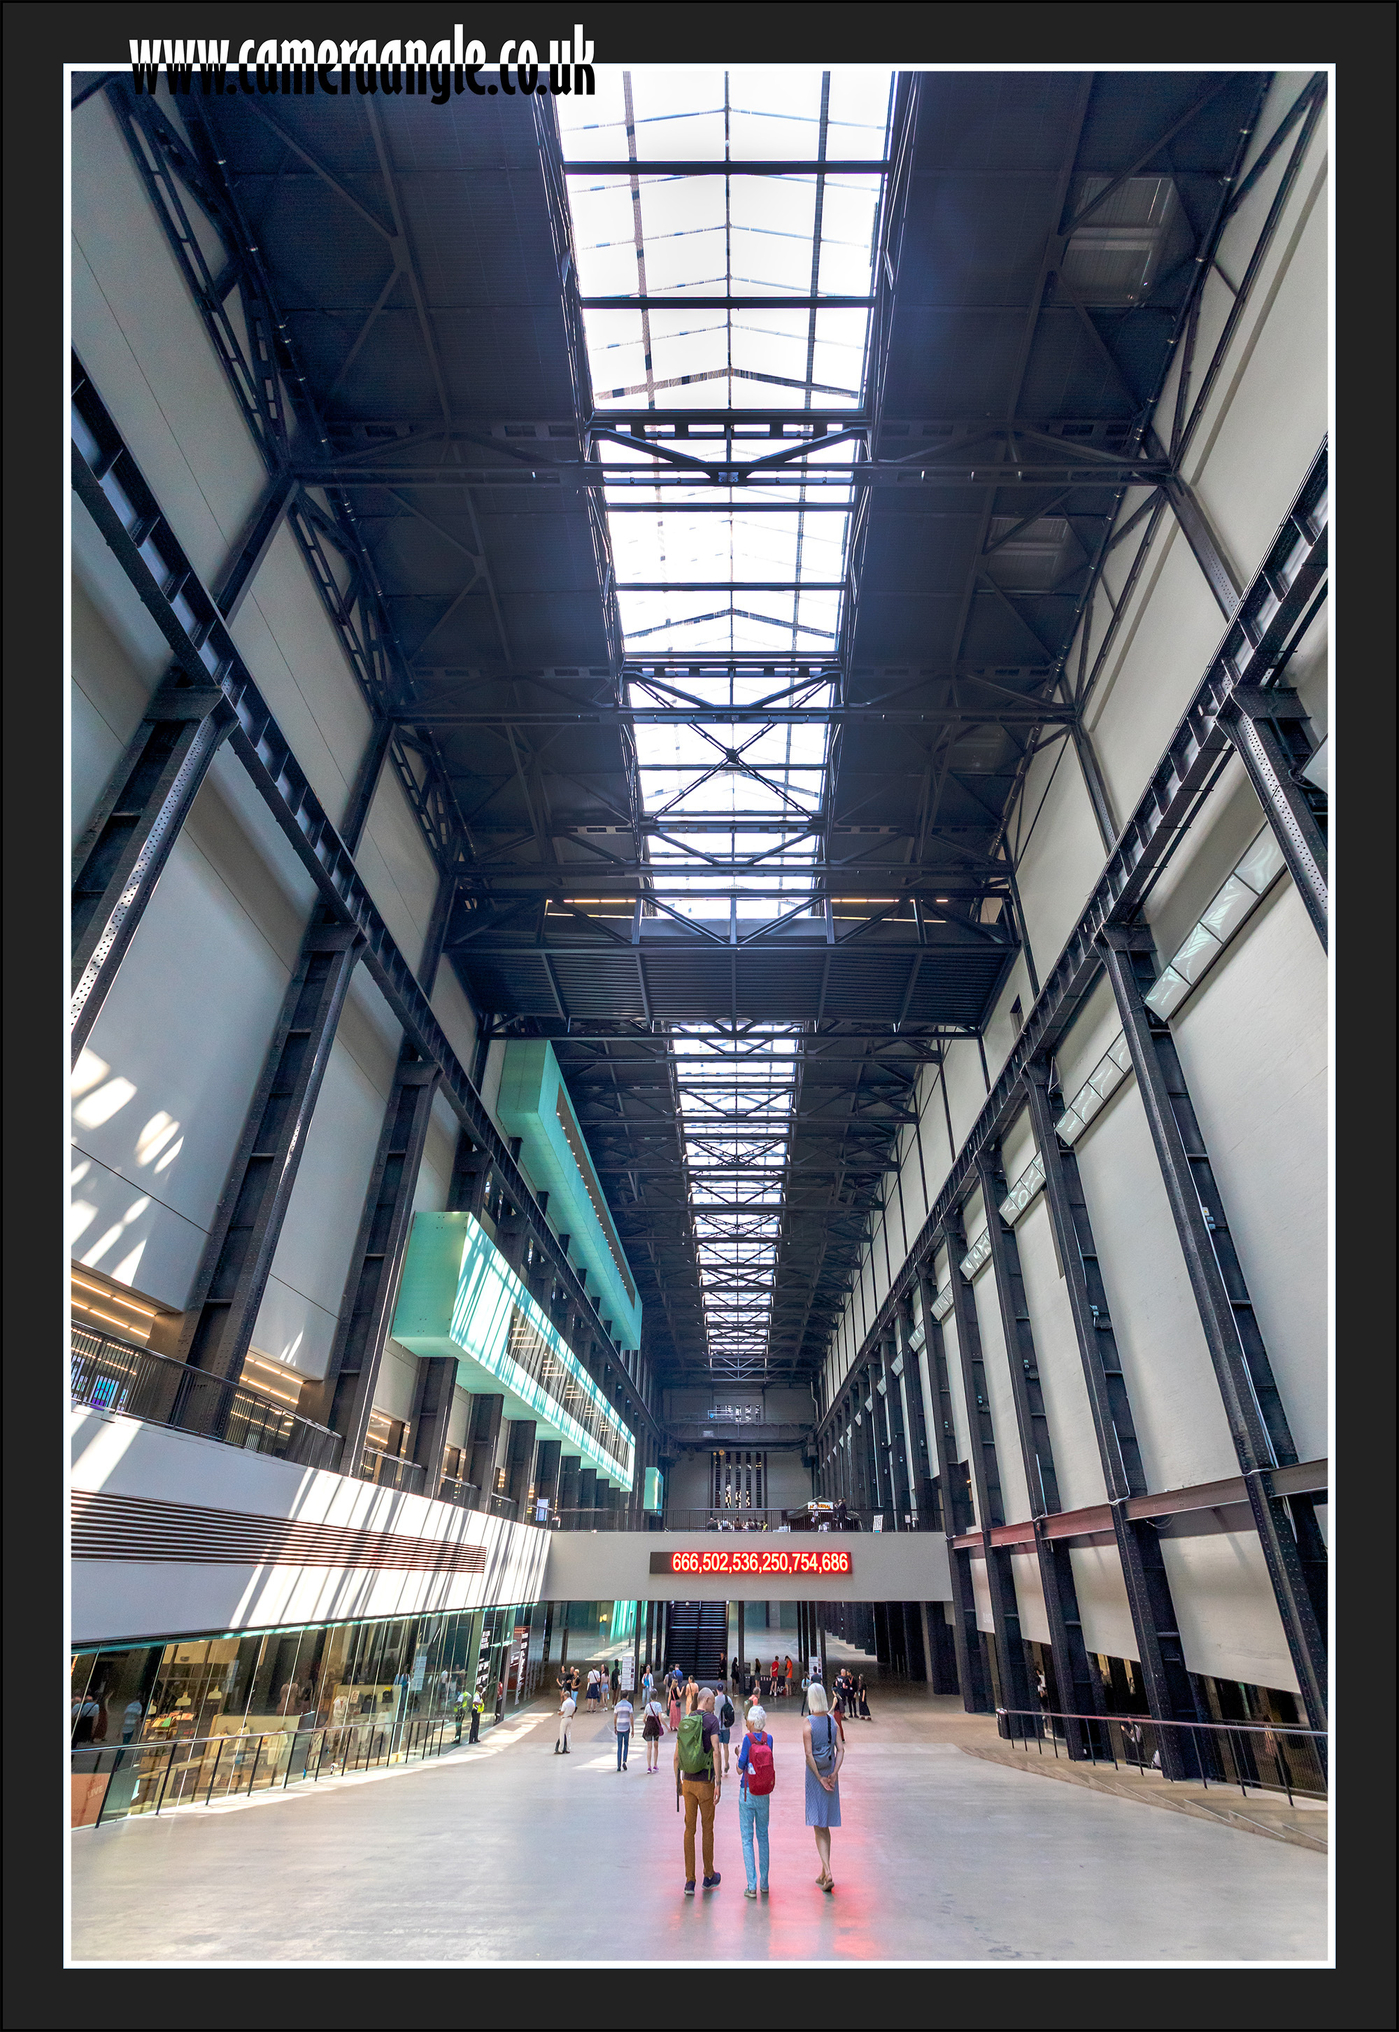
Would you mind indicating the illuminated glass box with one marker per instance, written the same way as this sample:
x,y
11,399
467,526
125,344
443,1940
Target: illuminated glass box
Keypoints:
x,y
459,1298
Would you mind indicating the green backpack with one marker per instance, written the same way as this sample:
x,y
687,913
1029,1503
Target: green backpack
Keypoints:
x,y
695,1760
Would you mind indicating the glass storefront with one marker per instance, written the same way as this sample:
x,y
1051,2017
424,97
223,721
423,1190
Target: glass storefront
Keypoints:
x,y
377,1675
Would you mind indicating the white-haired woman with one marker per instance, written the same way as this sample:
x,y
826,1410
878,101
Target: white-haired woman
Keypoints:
x,y
756,1779
825,1753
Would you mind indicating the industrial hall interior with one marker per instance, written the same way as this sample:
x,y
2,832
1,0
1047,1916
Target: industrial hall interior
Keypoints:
x,y
699,1016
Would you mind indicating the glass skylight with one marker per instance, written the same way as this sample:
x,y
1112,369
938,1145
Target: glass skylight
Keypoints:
x,y
727,321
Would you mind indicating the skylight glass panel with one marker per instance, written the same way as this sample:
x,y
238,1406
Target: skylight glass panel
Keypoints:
x,y
754,570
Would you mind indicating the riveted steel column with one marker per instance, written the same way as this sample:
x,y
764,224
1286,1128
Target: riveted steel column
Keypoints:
x,y
986,1480
1252,1405
923,1487
119,857
957,1516
1079,1688
1268,729
1169,1694
237,1259
345,1397
899,1490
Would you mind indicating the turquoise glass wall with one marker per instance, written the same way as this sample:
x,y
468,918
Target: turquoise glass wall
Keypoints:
x,y
533,1104
459,1298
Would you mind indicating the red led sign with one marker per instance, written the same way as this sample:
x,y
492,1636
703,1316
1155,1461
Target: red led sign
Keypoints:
x,y
740,1560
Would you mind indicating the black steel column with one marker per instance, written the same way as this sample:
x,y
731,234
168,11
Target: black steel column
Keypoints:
x,y
346,1396
922,1483
1078,1687
957,1515
519,1459
1169,1694
588,1498
1268,728
986,1480
237,1259
548,1459
118,859
432,1411
570,1465
899,1489
487,1413
872,1414
1257,1421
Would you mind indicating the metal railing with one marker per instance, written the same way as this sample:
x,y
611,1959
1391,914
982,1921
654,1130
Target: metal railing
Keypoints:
x,y
466,1495
116,1375
716,1518
115,1782
1269,1756
388,1471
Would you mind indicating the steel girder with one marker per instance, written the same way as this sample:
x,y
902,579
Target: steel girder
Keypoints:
x,y
1169,1692
135,528
1079,1687
1258,1424
1272,615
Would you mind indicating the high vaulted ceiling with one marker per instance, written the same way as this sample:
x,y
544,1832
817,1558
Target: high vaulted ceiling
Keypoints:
x,y
741,1010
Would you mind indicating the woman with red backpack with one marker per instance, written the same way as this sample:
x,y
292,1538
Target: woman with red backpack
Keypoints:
x,y
756,1779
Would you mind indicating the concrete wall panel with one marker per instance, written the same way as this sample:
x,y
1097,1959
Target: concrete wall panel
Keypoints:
x,y
1176,1407
1103,1607
1229,1624
141,339
1077,1465
1253,1047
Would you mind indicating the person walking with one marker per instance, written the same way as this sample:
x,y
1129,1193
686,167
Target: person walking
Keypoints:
x,y
787,1675
674,1704
621,1728
757,1777
772,1681
477,1709
568,1708
652,1729
724,1709
616,1681
592,1689
862,1701
699,1781
825,1753
838,1715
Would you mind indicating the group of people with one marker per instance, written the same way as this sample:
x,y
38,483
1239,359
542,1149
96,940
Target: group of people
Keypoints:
x,y
851,1696
702,1720
701,1744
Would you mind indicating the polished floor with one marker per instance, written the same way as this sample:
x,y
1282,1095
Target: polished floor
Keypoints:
x,y
509,1853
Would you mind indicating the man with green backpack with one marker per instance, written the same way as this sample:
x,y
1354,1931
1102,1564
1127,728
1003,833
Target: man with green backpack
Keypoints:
x,y
698,1781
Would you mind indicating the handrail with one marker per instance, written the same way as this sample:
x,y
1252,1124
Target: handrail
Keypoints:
x,y
111,1374
347,1747
1214,1746
1146,1721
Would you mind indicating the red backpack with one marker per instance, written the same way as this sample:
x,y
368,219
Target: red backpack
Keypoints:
x,y
761,1775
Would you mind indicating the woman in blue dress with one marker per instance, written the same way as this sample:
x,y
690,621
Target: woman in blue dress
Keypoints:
x,y
825,1753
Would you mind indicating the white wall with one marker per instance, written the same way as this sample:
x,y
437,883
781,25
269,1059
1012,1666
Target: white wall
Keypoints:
x,y
115,1600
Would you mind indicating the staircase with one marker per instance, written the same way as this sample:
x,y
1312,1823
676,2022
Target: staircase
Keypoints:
x,y
697,1637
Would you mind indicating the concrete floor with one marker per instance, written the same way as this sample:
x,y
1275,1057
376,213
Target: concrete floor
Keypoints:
x,y
508,1853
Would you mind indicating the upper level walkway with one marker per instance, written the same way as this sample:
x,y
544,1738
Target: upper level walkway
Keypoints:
x,y
941,1856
